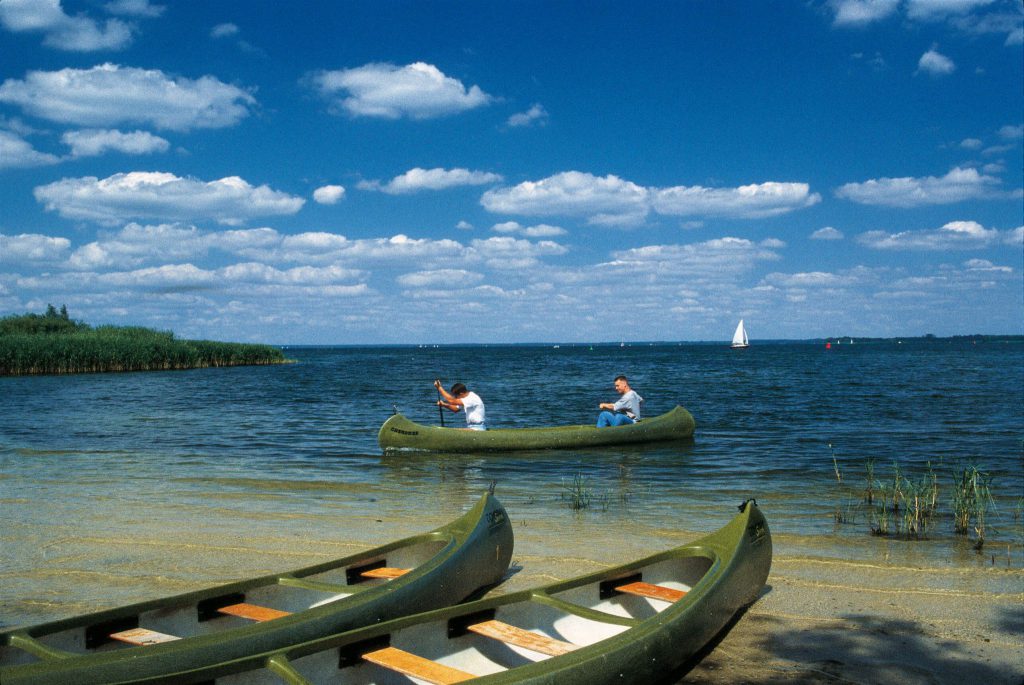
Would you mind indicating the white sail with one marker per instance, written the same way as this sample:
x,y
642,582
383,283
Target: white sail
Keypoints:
x,y
739,338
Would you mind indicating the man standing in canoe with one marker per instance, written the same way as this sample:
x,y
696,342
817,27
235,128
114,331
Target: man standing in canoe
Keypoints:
x,y
461,398
625,410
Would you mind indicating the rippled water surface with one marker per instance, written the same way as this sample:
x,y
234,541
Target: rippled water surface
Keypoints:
x,y
120,487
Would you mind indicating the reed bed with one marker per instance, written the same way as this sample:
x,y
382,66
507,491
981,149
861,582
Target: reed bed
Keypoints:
x,y
54,344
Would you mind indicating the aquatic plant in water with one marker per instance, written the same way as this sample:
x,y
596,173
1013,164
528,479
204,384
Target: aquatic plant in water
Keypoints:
x,y
972,499
577,492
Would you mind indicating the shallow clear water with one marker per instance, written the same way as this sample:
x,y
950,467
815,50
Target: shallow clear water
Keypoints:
x,y
119,487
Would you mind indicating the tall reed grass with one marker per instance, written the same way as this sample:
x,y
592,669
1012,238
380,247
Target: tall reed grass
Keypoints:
x,y
53,344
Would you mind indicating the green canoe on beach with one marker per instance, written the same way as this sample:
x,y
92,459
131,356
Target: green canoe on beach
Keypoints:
x,y
638,623
399,433
151,641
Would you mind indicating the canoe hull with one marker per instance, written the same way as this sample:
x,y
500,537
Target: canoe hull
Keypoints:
x,y
399,433
468,554
614,638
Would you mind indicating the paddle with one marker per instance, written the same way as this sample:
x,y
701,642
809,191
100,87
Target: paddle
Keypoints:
x,y
440,409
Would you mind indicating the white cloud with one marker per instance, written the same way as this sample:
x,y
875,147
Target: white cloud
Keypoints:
x,y
417,91
931,10
956,186
16,152
955,235
971,144
538,231
861,12
63,32
935,63
1012,132
535,116
158,195
457,278
827,233
718,259
109,94
609,200
986,265
615,201
745,202
224,30
418,179
29,247
135,8
95,142
329,195
464,226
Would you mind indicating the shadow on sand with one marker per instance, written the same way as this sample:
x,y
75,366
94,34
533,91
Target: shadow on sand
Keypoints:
x,y
765,650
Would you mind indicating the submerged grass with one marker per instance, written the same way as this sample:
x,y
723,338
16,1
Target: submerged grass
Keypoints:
x,y
908,506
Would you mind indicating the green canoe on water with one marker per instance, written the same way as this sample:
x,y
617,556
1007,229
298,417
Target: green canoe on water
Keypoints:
x,y
399,433
151,641
635,624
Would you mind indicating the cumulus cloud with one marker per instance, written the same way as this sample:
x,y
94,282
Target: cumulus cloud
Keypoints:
x,y
95,142
61,31
538,231
861,12
745,202
159,195
827,233
30,247
535,116
935,63
388,91
609,200
613,201
329,195
418,179
956,186
955,235
16,152
109,94
720,258
508,253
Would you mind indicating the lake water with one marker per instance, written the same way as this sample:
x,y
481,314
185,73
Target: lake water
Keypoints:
x,y
120,487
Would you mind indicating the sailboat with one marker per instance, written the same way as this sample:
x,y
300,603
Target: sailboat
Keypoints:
x,y
739,338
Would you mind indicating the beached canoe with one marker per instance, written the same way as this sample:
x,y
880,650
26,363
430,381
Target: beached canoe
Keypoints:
x,y
399,433
638,623
194,631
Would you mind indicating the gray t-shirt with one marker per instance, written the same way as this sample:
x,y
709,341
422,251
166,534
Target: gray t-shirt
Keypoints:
x,y
630,404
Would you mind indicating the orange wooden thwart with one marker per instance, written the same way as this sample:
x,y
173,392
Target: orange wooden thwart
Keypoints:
x,y
384,572
666,594
416,666
514,635
252,612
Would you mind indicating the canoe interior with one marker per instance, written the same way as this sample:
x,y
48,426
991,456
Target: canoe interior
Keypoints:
x,y
580,615
195,614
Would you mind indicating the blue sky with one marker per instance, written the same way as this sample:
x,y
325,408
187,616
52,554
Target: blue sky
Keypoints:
x,y
409,172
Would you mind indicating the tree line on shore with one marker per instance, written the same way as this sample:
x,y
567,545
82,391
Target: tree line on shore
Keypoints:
x,y
54,343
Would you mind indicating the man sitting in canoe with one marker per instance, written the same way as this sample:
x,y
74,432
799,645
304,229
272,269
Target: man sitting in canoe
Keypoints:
x,y
461,398
625,410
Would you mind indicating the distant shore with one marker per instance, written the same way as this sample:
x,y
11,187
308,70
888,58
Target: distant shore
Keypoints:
x,y
53,343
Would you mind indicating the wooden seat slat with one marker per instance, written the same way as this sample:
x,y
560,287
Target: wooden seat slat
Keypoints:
x,y
252,612
642,589
384,572
142,636
416,666
514,635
